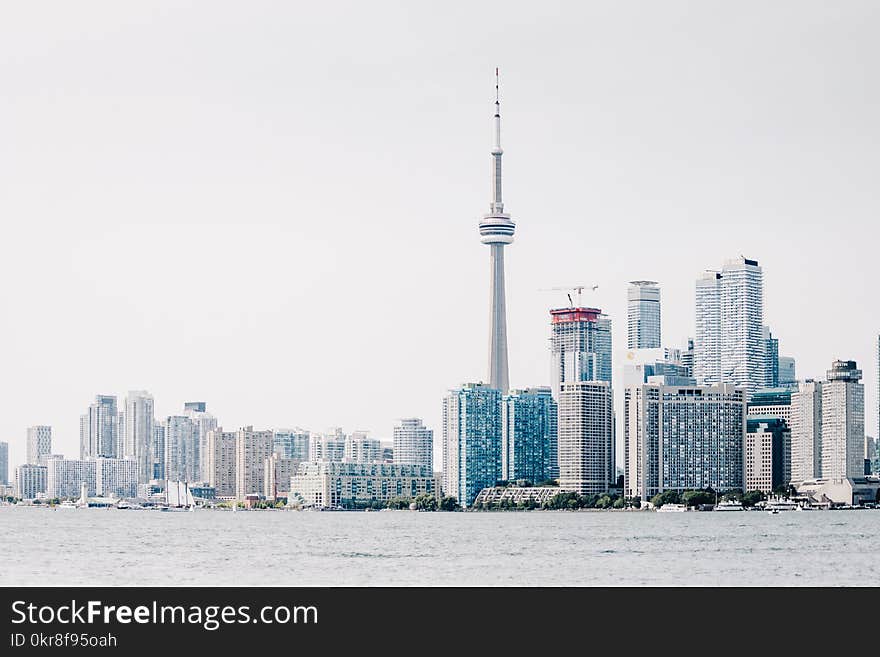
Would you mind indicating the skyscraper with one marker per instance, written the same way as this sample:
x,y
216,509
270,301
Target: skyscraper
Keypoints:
x,y
528,435
580,346
203,422
39,444
843,422
138,440
4,464
586,437
767,463
496,230
252,448
99,428
787,372
730,344
180,448
158,450
413,443
771,358
806,431
360,448
683,438
643,315
291,444
471,441
220,461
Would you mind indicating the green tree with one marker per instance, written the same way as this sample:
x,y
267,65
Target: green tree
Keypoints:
x,y
426,502
753,497
697,497
449,503
619,503
666,497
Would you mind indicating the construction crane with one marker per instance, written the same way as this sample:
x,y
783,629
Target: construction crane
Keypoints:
x,y
572,288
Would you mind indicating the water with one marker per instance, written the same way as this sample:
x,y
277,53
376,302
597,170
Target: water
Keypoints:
x,y
112,547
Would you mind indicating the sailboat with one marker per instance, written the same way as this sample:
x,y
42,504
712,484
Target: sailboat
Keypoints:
x,y
178,496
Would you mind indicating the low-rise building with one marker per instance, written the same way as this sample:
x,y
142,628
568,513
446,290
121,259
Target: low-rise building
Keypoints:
x,y
517,494
326,483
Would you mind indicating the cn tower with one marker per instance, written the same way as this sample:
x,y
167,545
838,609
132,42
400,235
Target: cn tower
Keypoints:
x,y
496,230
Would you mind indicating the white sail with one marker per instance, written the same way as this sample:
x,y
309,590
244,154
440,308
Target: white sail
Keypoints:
x,y
172,497
190,500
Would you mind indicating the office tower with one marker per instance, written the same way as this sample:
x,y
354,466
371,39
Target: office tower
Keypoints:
x,y
787,372
138,434
65,477
643,315
413,443
291,444
4,464
843,422
687,358
158,450
99,428
771,359
349,484
528,435
39,444
580,346
683,438
117,478
471,440
767,453
252,448
586,437
641,365
806,431
729,345
496,230
203,422
220,462
771,402
30,481
180,449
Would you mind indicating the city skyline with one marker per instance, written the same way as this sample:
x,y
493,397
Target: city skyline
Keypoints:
x,y
93,219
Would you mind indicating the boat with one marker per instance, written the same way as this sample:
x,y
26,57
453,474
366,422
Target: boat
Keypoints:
x,y
178,497
778,504
67,504
672,508
772,512
729,505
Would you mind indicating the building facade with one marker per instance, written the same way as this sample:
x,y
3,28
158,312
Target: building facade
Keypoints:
x,y
181,461
138,432
471,441
202,422
767,454
771,402
806,431
277,472
39,444
30,481
65,477
4,464
99,429
683,438
360,448
529,449
730,342
643,315
843,422
586,437
116,477
252,448
413,443
220,462
291,444
329,484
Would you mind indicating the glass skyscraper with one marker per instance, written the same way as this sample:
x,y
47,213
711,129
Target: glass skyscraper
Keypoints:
x,y
471,441
529,446
643,315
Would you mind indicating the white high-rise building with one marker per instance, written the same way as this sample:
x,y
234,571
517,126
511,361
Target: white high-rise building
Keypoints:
x,y
39,444
413,443
806,431
643,315
116,477
252,448
65,477
4,464
360,448
292,444
138,435
99,429
220,461
683,438
730,345
586,437
843,422
158,450
30,481
327,447
496,230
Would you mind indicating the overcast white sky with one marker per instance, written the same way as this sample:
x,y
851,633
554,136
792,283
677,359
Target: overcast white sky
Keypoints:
x,y
273,206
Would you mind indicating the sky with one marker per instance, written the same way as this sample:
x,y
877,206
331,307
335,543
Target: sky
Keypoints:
x,y
273,206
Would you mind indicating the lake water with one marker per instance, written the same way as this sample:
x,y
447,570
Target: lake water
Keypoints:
x,y
113,547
